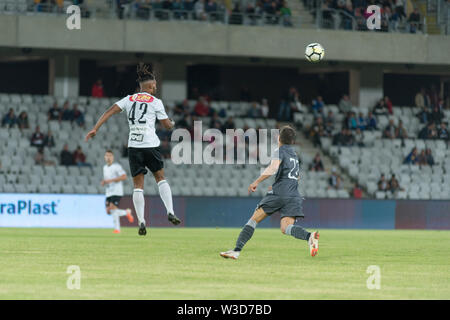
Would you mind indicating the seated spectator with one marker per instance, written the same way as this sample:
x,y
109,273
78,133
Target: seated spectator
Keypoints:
x,y
349,139
371,122
329,123
182,108
229,124
22,121
394,186
359,138
383,184
39,158
9,119
201,109
199,8
345,105
339,138
97,89
443,132
390,130
215,122
414,21
357,191
77,116
254,111
54,113
422,158
317,106
400,131
334,181
429,157
388,104
316,164
317,131
412,157
424,115
66,114
361,122
49,140
380,109
66,158
286,14
79,158
428,132
37,138
211,8
352,123
436,115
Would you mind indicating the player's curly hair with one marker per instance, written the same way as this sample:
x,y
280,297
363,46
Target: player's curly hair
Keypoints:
x,y
144,74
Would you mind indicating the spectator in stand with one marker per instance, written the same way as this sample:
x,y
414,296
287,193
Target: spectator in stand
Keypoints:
x,y
211,8
414,21
339,138
420,98
423,115
357,191
349,139
264,108
359,138
66,158
317,106
400,9
317,131
429,157
97,89
54,113
412,157
436,115
236,14
383,184
254,111
250,12
400,131
361,122
428,132
380,109
345,105
229,124
422,158
371,122
187,5
286,106
201,109
77,115
184,122
390,130
182,108
79,158
388,104
329,123
39,158
66,114
443,132
334,181
352,123
316,164
37,138
49,140
215,121
9,119
286,14
394,186
22,121
199,9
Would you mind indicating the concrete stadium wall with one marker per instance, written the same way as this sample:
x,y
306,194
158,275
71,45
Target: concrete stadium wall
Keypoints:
x,y
319,213
220,40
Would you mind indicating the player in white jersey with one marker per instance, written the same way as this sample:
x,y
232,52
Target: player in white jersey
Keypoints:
x,y
142,110
113,175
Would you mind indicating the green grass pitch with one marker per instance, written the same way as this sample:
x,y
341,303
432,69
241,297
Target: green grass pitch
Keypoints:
x,y
184,263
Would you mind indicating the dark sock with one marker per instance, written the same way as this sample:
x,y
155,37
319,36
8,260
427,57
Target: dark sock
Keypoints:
x,y
298,232
244,236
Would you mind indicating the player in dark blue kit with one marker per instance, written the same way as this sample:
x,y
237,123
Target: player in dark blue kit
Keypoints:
x,y
283,197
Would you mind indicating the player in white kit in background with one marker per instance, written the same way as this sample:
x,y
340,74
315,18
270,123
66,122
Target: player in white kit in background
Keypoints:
x,y
113,175
142,109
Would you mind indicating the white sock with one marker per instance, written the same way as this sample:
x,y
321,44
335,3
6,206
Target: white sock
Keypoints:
x,y
139,204
116,220
119,212
166,195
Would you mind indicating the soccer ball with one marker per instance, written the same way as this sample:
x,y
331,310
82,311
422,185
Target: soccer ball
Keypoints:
x,y
314,52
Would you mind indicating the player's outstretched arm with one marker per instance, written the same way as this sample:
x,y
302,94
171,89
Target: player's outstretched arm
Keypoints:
x,y
268,172
105,116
